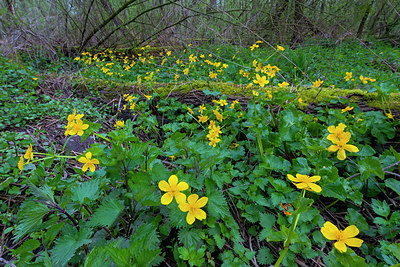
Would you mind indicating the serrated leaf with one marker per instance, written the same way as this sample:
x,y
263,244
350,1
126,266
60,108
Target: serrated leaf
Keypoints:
x,y
44,193
220,241
217,205
264,256
98,257
29,217
380,208
393,184
86,191
267,220
371,165
66,246
190,237
106,214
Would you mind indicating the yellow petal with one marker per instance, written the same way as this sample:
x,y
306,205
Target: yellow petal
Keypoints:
x,y
192,199
291,178
341,155
92,167
302,177
200,214
184,207
180,197
315,187
314,178
329,230
164,186
173,180
350,231
354,242
89,155
341,246
190,218
84,168
95,161
301,185
166,198
202,202
182,186
82,160
332,148
351,148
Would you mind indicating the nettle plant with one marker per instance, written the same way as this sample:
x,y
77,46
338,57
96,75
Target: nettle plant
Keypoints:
x,y
222,183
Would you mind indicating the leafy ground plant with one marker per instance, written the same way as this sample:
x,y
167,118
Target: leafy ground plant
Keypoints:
x,y
223,183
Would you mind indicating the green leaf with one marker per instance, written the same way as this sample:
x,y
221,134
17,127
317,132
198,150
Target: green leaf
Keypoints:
x,y
355,218
107,213
393,184
335,190
371,165
380,208
44,193
300,165
267,220
273,162
25,251
98,257
86,191
217,205
66,245
264,256
190,237
29,217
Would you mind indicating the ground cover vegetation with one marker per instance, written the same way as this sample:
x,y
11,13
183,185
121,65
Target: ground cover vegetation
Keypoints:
x,y
235,182
199,133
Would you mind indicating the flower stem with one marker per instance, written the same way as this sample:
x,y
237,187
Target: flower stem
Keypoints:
x,y
289,237
102,137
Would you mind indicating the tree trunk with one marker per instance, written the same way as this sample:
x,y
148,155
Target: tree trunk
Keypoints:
x,y
364,19
297,36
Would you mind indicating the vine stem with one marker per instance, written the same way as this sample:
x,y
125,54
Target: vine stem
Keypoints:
x,y
289,238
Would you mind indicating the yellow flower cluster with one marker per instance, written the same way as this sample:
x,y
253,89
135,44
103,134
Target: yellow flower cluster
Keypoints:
x,y
365,80
28,156
75,125
213,134
192,204
340,138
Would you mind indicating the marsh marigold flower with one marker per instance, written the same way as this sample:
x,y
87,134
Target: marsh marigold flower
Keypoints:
x,y
193,207
89,163
203,118
21,164
172,189
119,124
77,127
348,76
317,83
190,110
29,154
283,84
302,181
348,108
262,81
341,146
343,237
336,132
280,48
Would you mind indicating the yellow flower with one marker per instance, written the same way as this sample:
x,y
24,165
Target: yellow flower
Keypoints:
x,y
222,102
193,206
255,93
172,157
262,81
74,116
254,46
34,78
190,110
186,71
305,182
371,80
88,162
233,104
176,77
77,127
341,145
203,119
147,96
213,141
172,189
280,48
28,154
343,237
390,115
21,164
212,75
317,83
347,109
300,100
283,85
202,108
348,76
119,124
336,133
363,80
218,115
